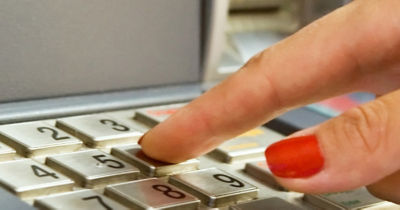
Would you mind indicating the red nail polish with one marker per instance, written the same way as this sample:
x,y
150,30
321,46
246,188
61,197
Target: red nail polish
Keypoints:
x,y
297,157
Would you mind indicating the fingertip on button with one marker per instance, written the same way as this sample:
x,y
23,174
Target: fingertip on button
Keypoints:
x,y
141,139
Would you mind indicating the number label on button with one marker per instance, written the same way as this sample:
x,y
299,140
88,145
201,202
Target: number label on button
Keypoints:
x,y
54,133
114,125
111,163
99,199
227,179
40,172
167,191
81,199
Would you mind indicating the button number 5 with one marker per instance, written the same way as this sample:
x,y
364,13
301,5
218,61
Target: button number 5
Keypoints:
x,y
109,162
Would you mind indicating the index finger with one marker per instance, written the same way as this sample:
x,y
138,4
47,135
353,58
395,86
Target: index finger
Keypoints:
x,y
336,54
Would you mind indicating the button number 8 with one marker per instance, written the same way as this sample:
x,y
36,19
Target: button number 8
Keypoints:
x,y
168,191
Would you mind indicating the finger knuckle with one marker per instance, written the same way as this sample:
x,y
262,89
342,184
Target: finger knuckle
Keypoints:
x,y
365,126
258,58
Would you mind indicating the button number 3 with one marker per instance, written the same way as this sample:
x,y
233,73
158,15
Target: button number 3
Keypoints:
x,y
114,125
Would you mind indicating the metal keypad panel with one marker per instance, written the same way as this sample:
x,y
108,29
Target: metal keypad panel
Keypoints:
x,y
151,194
9,201
37,138
99,130
82,199
151,116
134,155
247,146
66,172
93,168
355,199
215,187
27,178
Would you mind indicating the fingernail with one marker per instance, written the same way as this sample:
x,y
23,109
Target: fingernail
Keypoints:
x,y
297,157
141,138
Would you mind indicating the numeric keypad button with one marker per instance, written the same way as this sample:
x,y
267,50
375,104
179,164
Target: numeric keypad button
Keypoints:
x,y
93,168
6,152
37,138
249,145
151,194
214,187
260,171
268,203
355,199
151,116
133,154
125,116
27,178
99,130
83,199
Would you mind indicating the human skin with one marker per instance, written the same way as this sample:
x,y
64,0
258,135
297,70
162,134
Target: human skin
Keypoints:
x,y
355,48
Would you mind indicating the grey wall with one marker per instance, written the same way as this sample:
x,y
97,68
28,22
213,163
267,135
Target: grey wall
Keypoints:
x,y
61,47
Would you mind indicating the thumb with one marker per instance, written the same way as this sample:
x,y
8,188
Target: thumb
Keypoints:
x,y
358,148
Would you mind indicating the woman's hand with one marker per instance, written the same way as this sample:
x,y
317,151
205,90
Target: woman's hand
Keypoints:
x,y
355,48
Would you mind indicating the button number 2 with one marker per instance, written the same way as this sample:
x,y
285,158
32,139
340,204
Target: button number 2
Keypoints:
x,y
54,133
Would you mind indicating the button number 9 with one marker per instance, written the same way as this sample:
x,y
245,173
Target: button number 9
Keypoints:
x,y
227,179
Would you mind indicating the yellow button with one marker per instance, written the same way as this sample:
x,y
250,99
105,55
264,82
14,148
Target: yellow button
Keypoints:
x,y
242,146
253,132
